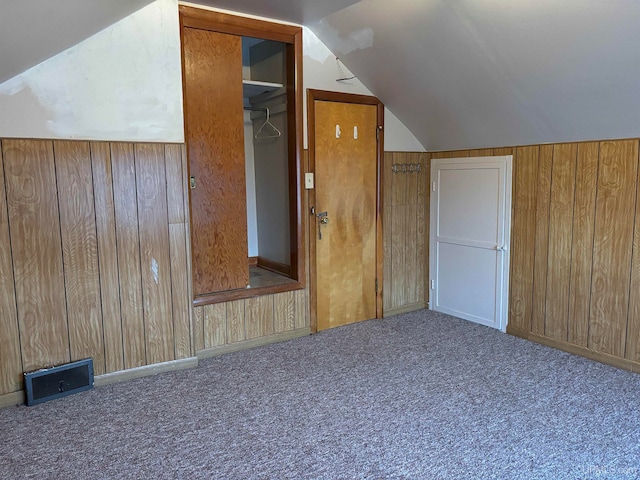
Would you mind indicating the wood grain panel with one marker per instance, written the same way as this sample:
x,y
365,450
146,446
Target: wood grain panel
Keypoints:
x,y
80,252
483,152
187,229
155,263
179,290
398,180
214,132
236,331
10,361
126,215
398,262
387,228
198,328
543,201
525,173
34,222
284,308
215,325
107,255
612,246
582,243
632,347
563,174
175,184
259,316
302,319
450,154
411,252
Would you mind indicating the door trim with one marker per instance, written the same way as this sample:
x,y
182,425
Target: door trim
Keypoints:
x,y
503,293
327,96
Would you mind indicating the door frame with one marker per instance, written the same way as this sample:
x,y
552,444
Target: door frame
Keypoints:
x,y
328,96
503,294
291,36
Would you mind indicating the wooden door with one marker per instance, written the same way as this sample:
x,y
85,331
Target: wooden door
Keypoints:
x,y
346,189
470,218
215,146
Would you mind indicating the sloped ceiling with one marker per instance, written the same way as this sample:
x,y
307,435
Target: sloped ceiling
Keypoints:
x,y
472,74
33,30
457,73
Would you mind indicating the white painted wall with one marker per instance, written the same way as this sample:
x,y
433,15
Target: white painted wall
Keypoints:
x,y
250,173
320,71
124,84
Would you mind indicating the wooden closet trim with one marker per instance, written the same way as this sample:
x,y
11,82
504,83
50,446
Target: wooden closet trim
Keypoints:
x,y
291,35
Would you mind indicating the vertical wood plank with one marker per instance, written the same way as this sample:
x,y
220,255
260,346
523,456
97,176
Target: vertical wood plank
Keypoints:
x,y
387,228
198,329
215,325
632,347
126,215
179,290
563,176
154,252
10,361
259,316
178,250
34,222
582,245
302,319
107,255
612,246
398,263
187,229
451,154
483,152
236,331
80,251
543,198
411,252
525,166
284,308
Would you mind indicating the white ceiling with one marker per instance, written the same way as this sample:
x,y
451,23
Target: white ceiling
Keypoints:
x,y
457,73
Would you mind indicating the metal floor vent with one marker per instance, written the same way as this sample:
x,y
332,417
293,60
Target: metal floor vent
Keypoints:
x,y
49,383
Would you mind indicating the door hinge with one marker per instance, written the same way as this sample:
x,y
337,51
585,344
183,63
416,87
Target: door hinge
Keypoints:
x,y
433,284
433,185
378,129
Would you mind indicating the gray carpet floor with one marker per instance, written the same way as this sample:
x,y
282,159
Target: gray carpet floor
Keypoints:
x,y
420,395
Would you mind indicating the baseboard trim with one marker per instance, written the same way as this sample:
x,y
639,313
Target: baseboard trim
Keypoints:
x,y
145,371
388,312
255,342
605,358
12,399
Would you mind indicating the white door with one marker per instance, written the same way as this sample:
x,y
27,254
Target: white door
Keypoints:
x,y
469,244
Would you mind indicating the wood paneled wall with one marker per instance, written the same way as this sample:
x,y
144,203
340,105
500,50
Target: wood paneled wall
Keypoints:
x,y
247,319
406,227
575,247
94,262
93,256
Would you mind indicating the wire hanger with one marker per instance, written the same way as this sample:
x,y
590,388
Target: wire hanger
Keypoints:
x,y
270,132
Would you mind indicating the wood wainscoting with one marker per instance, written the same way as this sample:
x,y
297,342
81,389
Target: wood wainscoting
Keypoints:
x,y
94,255
575,247
406,231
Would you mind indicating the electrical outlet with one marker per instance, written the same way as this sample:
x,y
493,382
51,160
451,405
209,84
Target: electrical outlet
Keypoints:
x,y
308,181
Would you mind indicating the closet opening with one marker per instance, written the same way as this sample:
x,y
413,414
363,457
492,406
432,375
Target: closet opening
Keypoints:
x,y
243,129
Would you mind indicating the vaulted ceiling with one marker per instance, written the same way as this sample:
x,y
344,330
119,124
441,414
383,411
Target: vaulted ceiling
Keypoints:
x,y
457,73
